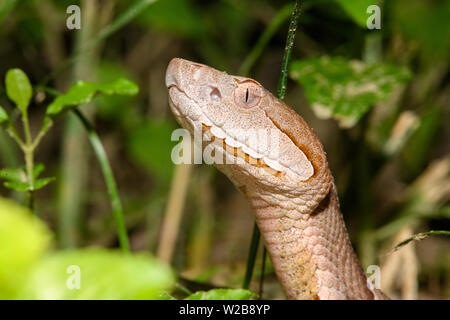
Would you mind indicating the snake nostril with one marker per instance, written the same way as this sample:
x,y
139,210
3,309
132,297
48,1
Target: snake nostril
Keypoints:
x,y
215,93
196,71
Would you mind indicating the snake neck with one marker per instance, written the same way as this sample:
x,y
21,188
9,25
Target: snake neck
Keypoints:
x,y
311,253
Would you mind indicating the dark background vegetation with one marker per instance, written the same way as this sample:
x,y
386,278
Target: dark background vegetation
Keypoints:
x,y
386,196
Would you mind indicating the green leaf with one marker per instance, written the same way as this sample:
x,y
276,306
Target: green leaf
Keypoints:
x,y
357,9
18,186
83,92
223,294
17,178
25,186
345,89
18,88
4,118
40,183
13,174
37,170
103,274
112,106
23,239
46,123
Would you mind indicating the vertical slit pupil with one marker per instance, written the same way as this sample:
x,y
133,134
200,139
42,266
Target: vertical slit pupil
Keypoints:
x,y
246,96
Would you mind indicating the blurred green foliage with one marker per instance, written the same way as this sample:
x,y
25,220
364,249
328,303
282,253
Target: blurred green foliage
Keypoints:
x,y
223,294
25,273
103,274
357,9
16,178
148,147
416,151
425,23
6,6
23,240
28,272
3,116
345,89
177,16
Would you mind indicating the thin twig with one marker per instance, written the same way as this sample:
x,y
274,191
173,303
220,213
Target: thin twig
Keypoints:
x,y
12,131
174,210
29,158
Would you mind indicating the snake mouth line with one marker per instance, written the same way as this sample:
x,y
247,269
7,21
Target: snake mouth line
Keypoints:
x,y
238,152
235,151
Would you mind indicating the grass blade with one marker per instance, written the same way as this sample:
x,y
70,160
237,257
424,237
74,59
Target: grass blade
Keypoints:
x,y
421,236
109,180
281,93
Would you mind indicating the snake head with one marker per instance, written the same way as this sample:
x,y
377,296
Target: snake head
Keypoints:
x,y
260,143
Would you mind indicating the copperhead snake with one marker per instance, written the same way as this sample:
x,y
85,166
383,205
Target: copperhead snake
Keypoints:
x,y
291,191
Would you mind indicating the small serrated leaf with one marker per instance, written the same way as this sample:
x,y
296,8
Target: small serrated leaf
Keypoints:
x,y
40,183
18,88
18,186
4,118
223,294
24,186
37,170
83,92
13,174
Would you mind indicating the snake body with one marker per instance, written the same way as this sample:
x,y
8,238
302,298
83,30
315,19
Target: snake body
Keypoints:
x,y
291,191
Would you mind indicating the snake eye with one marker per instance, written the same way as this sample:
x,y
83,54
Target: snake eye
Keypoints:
x,y
247,94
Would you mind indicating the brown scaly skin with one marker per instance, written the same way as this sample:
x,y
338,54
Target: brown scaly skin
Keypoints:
x,y
297,212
